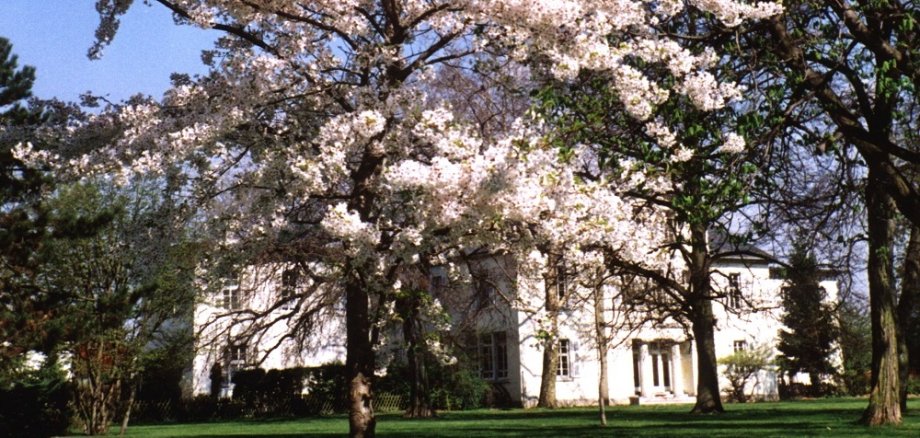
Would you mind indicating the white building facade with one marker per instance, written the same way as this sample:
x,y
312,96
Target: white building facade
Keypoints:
x,y
651,363
250,320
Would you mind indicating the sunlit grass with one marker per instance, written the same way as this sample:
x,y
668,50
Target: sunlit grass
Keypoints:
x,y
831,417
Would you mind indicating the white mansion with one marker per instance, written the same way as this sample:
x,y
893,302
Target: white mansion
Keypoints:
x,y
653,363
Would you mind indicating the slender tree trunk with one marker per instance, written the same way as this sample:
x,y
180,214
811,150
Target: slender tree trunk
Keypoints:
x,y
359,361
884,396
419,393
128,406
600,332
708,398
547,398
910,292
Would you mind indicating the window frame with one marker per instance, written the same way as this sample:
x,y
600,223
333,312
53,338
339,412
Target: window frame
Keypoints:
x,y
492,356
230,297
564,360
236,358
735,297
739,345
290,278
561,282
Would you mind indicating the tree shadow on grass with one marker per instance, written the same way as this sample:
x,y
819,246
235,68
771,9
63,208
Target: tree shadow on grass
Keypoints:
x,y
835,419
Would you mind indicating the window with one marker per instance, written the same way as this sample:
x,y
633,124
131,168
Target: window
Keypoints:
x,y
237,356
289,280
660,355
740,346
485,292
438,283
636,367
493,355
734,291
230,298
565,359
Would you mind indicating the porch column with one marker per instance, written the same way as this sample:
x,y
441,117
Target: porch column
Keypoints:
x,y
645,376
677,371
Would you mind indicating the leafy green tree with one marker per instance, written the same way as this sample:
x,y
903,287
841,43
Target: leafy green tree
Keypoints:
x,y
127,291
855,347
15,86
702,177
741,367
807,342
22,219
848,74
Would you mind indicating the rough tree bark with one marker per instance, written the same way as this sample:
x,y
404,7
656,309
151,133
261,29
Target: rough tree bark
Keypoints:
x,y
359,360
907,303
553,303
884,396
708,398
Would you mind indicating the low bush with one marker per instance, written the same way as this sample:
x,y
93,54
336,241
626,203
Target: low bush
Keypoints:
x,y
37,405
452,387
272,393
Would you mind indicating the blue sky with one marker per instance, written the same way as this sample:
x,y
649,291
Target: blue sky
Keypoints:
x,y
54,36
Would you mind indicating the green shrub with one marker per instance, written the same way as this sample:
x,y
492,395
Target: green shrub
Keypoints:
x,y
37,404
856,382
913,384
740,367
327,389
272,393
452,386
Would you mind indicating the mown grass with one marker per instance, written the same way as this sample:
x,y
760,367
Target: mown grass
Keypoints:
x,y
831,417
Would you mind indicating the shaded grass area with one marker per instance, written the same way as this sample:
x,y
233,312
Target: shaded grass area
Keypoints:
x,y
833,418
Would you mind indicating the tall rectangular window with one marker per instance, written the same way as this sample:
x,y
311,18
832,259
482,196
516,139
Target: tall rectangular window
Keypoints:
x,y
236,358
565,359
289,280
637,383
501,355
734,291
493,355
486,356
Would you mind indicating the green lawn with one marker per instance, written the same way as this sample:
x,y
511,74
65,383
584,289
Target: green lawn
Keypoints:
x,y
834,418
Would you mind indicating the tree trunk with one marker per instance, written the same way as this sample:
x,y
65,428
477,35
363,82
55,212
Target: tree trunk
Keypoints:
x,y
547,398
884,396
419,393
910,291
128,406
359,361
708,397
816,387
600,332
